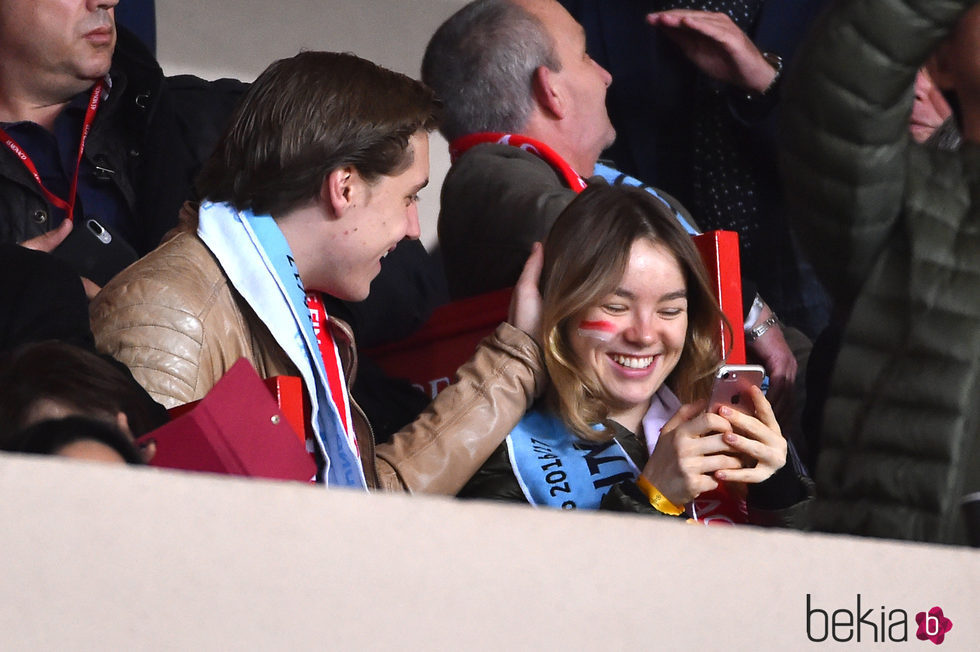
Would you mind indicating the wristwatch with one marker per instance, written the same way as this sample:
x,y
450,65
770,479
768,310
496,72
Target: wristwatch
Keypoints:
x,y
758,331
776,62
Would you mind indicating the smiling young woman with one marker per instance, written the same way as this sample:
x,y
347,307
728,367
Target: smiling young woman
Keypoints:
x,y
629,323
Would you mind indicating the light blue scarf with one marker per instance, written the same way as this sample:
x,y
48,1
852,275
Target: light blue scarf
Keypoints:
x,y
258,262
616,178
555,468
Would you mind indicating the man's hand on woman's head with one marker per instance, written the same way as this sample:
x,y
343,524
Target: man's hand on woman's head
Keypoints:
x,y
525,303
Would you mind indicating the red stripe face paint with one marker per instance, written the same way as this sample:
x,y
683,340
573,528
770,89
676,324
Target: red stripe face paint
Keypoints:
x,y
603,331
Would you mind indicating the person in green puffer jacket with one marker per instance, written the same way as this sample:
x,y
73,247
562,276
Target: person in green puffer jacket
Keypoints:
x,y
894,231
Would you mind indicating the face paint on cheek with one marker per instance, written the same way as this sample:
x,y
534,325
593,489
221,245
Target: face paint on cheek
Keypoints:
x,y
603,331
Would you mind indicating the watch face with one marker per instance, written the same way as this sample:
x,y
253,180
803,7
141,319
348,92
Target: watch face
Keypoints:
x,y
774,60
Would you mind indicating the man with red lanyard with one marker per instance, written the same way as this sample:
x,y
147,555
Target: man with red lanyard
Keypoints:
x,y
90,129
315,181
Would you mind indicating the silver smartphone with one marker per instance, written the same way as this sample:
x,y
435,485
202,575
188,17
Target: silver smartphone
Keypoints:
x,y
731,385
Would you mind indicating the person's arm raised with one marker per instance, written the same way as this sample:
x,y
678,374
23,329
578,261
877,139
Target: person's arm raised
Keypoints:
x,y
442,449
718,47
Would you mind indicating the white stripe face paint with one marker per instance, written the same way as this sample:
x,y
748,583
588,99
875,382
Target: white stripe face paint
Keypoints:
x,y
602,331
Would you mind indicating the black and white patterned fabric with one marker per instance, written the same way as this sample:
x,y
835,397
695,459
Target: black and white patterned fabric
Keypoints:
x,y
725,185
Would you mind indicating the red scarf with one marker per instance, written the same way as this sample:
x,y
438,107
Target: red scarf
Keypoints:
x,y
331,363
461,145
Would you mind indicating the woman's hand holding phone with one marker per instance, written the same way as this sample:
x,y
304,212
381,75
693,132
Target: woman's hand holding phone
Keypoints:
x,y
757,437
737,440
690,452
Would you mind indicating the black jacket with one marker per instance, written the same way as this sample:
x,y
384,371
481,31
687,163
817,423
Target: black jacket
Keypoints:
x,y
152,132
41,298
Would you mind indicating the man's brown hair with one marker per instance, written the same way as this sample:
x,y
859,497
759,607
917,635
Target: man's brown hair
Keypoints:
x,y
308,115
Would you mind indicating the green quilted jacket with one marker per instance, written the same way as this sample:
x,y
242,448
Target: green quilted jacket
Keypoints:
x,y
894,230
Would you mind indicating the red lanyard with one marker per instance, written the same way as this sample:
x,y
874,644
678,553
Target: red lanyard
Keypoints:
x,y
459,146
69,205
331,360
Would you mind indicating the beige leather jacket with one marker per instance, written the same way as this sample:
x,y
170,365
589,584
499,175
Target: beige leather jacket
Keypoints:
x,y
177,323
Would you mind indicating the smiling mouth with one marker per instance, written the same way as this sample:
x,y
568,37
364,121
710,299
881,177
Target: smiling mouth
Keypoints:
x,y
632,361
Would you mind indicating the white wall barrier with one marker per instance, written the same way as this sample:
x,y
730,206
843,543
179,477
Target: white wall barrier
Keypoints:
x,y
110,558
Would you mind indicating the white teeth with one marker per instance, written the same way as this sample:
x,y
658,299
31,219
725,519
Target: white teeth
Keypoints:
x,y
633,362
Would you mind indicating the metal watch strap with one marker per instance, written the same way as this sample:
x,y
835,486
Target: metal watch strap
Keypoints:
x,y
758,331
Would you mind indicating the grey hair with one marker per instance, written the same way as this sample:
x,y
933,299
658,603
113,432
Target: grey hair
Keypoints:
x,y
481,64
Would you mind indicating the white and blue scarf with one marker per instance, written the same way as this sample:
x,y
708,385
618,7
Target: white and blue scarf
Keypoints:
x,y
555,468
258,262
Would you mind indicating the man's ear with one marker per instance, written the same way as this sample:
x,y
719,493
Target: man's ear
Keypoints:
x,y
547,93
340,190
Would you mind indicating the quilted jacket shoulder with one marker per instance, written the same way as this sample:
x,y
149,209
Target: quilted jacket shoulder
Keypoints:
x,y
894,230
